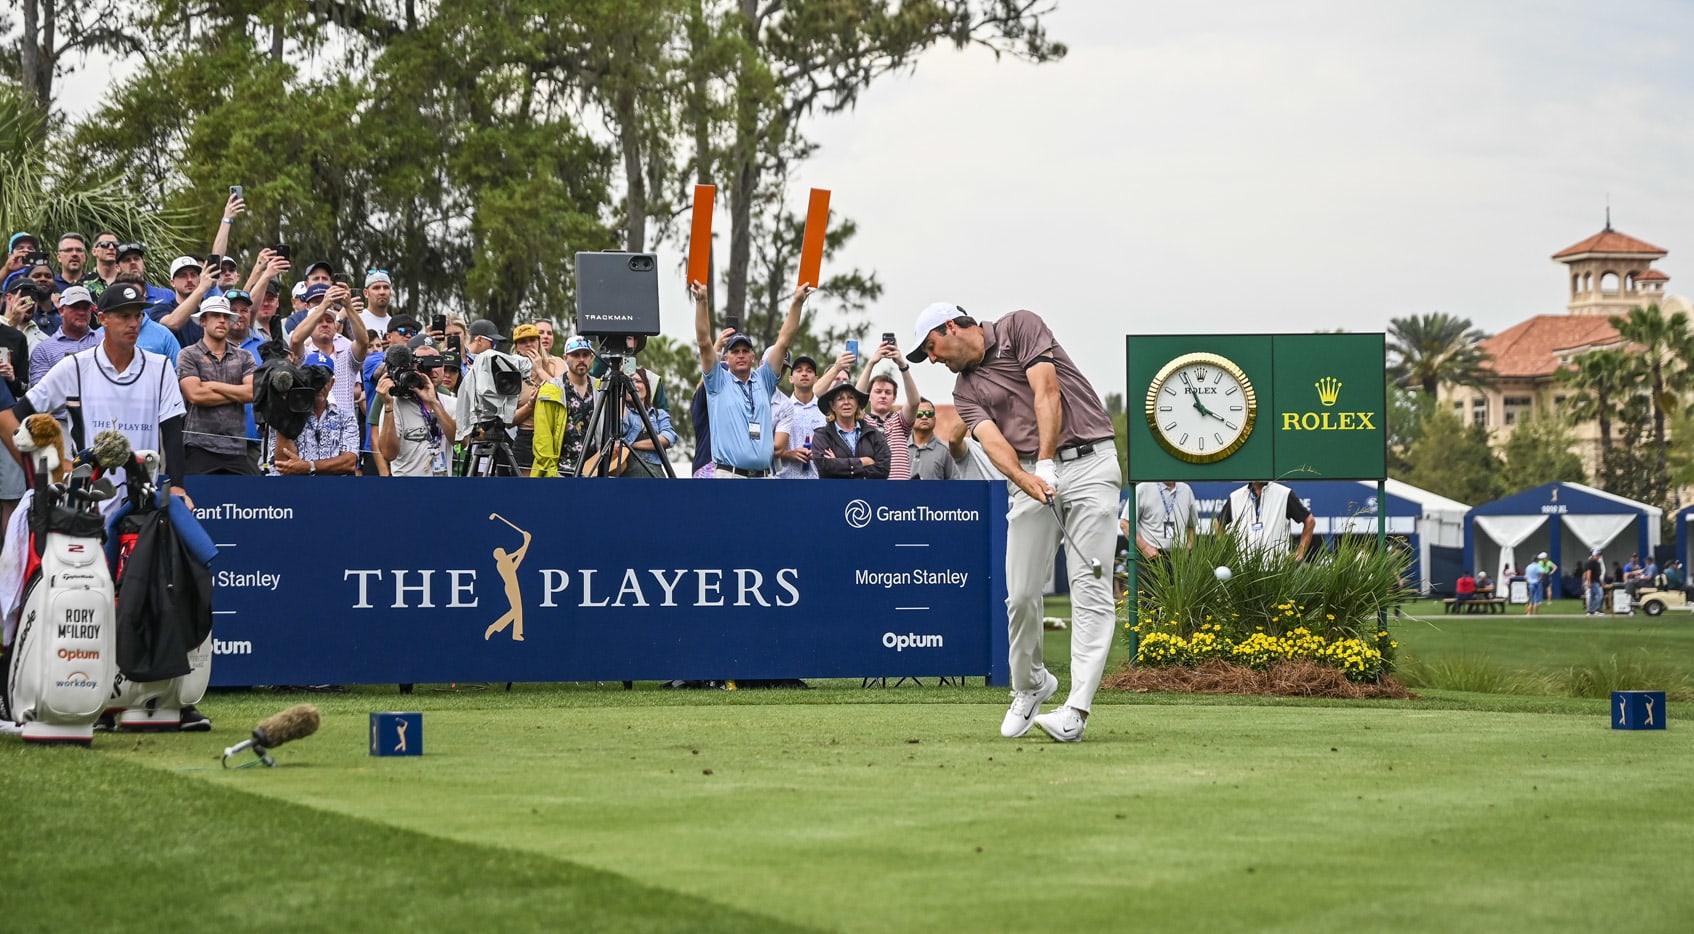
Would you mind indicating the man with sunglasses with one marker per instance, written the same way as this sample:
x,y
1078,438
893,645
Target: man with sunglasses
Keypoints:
x,y
105,255
1043,426
931,457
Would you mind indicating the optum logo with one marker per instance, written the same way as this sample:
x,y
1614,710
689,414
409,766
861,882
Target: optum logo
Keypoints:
x,y
912,640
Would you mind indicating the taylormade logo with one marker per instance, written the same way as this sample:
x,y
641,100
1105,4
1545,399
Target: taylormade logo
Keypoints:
x,y
860,513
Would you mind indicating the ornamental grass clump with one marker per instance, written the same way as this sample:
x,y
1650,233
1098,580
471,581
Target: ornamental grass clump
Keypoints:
x,y
1326,609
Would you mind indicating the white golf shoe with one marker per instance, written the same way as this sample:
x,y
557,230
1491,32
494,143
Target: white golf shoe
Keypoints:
x,y
1025,705
1065,725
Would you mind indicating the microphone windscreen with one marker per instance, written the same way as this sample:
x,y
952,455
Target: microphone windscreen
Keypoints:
x,y
111,449
297,722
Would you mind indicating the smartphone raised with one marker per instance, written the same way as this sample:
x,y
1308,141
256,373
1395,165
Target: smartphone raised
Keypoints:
x,y
281,250
438,323
853,347
238,191
454,344
341,278
888,337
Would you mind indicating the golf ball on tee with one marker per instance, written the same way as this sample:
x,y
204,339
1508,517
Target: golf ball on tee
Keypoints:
x,y
1223,573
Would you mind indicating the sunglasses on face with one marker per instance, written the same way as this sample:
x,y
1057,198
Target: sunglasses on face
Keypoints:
x,y
926,413
406,332
106,245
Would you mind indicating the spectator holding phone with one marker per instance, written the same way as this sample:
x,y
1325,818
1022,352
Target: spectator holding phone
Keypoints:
x,y
320,331
847,448
894,423
192,282
18,250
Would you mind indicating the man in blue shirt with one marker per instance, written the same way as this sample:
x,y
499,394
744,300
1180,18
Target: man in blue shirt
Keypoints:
x,y
738,395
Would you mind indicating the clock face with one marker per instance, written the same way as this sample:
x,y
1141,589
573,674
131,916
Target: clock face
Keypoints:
x,y
1201,407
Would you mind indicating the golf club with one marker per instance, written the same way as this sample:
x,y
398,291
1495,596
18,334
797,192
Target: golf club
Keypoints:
x,y
1053,504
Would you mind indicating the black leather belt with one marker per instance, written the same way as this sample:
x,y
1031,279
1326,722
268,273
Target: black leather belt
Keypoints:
x,y
1071,452
754,474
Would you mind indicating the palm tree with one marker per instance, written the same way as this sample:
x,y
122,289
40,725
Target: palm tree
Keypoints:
x,y
1436,348
1603,379
1664,350
38,194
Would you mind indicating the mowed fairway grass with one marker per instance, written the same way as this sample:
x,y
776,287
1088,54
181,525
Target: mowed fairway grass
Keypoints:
x,y
577,807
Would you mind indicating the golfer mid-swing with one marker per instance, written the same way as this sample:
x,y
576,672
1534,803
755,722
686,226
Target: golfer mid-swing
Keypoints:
x,y
1043,426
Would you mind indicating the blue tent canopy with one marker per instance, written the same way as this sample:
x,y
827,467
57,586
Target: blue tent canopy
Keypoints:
x,y
1565,520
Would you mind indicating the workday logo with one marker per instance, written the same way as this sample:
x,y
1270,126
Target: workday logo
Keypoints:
x,y
858,514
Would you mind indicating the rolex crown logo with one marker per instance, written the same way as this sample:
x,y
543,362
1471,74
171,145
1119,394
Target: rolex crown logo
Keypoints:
x,y
1329,390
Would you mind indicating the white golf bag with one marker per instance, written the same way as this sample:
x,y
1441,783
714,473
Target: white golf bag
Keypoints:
x,y
157,705
63,660
152,705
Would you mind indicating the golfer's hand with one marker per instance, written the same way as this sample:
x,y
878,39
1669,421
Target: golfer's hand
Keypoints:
x,y
1033,485
1049,474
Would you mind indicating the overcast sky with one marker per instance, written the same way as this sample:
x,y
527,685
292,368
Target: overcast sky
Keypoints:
x,y
1269,166
1258,165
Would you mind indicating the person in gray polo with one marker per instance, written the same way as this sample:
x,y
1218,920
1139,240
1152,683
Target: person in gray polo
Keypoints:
x,y
1043,426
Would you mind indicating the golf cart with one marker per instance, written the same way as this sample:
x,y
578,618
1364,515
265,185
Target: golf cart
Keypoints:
x,y
1654,602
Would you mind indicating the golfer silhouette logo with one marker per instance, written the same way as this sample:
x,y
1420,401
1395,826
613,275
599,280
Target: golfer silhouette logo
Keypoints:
x,y
400,725
507,564
1649,701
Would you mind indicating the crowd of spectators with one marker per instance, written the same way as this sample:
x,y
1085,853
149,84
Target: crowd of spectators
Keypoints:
x,y
455,384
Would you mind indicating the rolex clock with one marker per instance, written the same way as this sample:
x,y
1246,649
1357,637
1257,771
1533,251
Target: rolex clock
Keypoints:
x,y
1201,407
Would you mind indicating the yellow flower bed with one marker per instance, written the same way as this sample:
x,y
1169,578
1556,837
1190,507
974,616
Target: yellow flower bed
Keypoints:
x,y
1358,659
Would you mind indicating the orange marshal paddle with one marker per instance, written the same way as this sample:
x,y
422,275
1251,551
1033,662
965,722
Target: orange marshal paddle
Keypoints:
x,y
811,248
700,236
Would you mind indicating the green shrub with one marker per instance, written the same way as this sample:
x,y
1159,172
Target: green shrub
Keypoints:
x,y
1637,671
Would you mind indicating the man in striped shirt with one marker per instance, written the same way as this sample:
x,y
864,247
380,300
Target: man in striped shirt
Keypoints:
x,y
895,423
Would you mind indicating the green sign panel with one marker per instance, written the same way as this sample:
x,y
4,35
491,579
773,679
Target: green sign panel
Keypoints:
x,y
1259,406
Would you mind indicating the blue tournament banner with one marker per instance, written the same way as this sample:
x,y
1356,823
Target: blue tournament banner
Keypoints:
x,y
341,580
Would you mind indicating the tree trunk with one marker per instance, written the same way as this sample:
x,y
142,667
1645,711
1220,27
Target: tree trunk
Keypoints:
x,y
744,159
629,140
32,59
276,41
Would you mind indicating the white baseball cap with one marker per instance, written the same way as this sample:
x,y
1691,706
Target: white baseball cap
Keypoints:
x,y
375,276
213,305
299,289
1541,557
183,262
75,295
929,319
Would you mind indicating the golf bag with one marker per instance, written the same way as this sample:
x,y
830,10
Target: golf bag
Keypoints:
x,y
159,556
62,663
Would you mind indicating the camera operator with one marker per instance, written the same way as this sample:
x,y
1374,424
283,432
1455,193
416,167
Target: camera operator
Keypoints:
x,y
415,426
329,443
488,397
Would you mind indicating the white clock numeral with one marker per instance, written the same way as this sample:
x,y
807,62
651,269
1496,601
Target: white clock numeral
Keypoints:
x,y
1235,408
1170,390
1183,439
1230,425
1164,408
1185,379
1218,437
1232,390
1203,442
1172,427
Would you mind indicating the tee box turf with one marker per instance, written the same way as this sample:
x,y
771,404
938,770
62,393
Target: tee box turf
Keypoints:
x,y
396,734
1638,710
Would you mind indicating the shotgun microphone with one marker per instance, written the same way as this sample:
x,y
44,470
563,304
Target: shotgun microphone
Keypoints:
x,y
297,722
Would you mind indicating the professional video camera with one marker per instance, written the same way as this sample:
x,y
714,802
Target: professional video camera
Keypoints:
x,y
402,368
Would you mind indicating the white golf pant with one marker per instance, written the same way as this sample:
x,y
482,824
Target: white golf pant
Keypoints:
x,y
1088,500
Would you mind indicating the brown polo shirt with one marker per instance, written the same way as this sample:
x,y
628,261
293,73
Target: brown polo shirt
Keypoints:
x,y
997,389
221,429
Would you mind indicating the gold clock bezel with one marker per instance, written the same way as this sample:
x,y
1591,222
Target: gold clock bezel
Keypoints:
x,y
1222,363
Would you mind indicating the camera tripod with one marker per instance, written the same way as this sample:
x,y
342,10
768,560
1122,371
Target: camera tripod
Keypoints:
x,y
489,453
605,425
